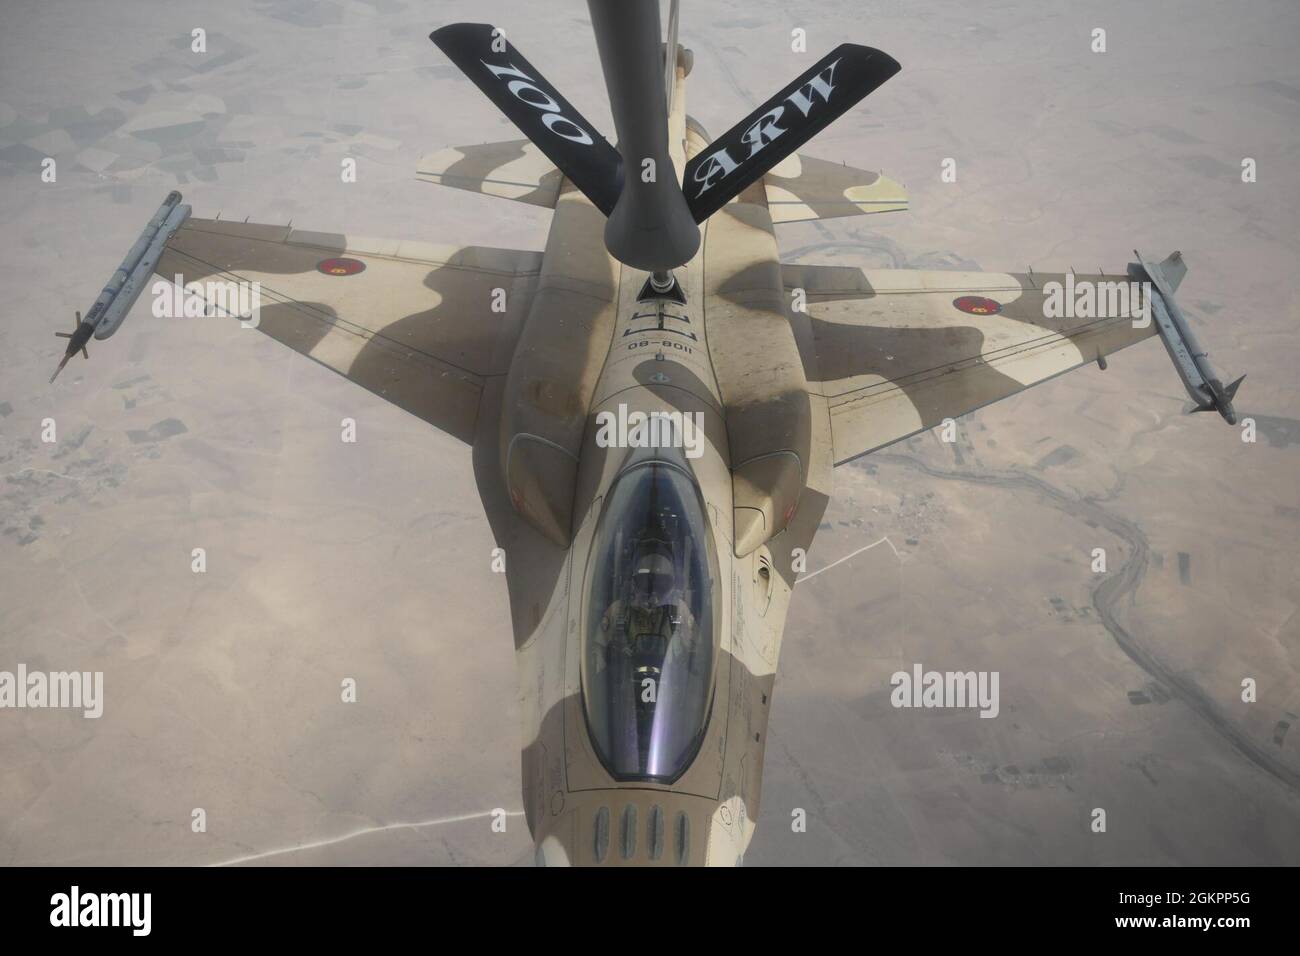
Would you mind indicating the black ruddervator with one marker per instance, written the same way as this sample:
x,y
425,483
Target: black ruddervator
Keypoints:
x,y
652,224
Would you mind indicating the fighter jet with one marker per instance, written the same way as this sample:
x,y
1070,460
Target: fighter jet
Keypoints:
x,y
655,403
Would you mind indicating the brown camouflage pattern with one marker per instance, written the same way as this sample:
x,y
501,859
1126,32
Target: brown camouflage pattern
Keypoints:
x,y
784,394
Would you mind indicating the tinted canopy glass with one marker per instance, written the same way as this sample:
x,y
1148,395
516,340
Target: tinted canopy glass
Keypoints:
x,y
648,656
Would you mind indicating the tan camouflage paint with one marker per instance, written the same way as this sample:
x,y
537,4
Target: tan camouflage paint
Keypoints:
x,y
784,394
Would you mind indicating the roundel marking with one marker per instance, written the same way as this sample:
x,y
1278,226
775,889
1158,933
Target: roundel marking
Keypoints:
x,y
977,305
341,266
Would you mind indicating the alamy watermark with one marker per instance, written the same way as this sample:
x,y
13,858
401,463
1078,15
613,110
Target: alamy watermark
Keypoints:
x,y
22,689
626,429
946,689
75,908
177,299
1086,299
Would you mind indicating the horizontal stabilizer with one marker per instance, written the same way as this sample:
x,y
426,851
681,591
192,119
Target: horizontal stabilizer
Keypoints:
x,y
537,108
781,125
800,188
515,170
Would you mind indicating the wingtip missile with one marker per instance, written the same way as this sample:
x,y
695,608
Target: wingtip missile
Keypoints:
x,y
1221,397
77,339
1203,384
127,281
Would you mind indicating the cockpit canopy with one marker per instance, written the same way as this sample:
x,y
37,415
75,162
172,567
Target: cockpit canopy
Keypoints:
x,y
651,624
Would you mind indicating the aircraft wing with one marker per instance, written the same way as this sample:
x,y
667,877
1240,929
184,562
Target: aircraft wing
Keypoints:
x,y
422,326
898,351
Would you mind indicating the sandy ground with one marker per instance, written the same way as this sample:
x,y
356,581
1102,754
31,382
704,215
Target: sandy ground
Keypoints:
x,y
328,561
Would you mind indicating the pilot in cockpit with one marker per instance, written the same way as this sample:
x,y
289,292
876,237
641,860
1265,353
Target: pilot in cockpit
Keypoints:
x,y
653,583
650,621
648,641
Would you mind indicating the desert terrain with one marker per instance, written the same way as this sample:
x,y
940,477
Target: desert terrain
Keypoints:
x,y
325,561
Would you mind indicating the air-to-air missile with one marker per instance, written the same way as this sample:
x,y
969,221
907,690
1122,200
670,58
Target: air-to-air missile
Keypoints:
x,y
1203,384
127,282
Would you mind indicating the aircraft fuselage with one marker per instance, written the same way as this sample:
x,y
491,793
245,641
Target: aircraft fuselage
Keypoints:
x,y
592,351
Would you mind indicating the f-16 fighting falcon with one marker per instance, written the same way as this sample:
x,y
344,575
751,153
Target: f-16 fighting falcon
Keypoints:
x,y
654,403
